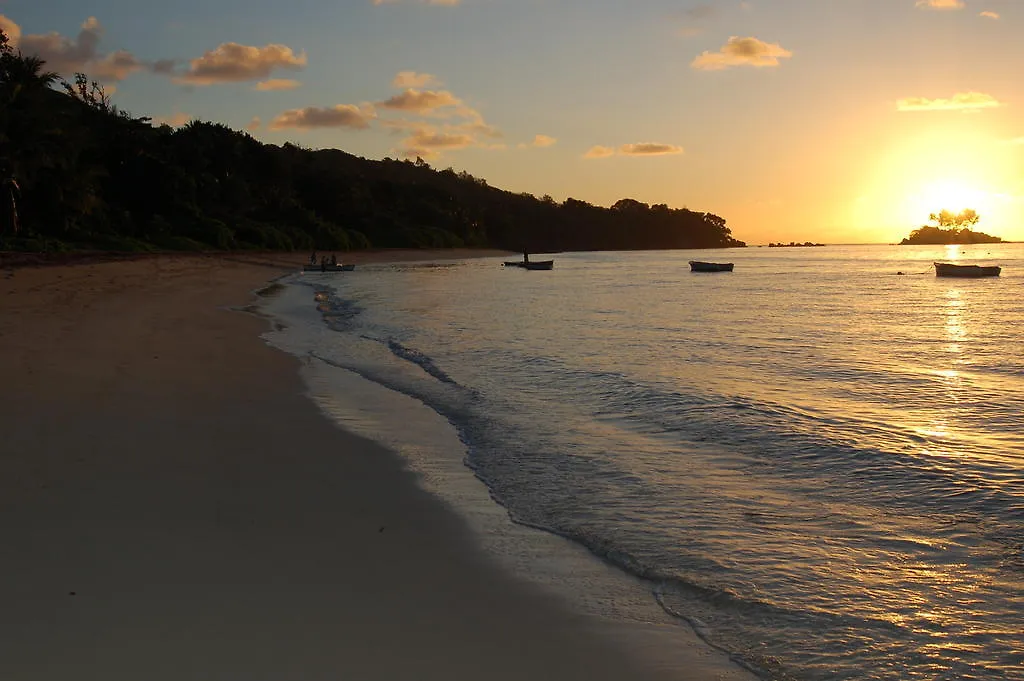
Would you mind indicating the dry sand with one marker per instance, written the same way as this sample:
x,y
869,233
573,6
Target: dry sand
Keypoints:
x,y
172,507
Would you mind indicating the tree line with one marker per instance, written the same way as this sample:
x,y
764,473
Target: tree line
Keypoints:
x,y
76,172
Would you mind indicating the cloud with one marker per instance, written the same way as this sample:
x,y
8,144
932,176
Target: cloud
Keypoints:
x,y
163,66
989,15
338,116
639,149
742,52
411,79
231,62
649,149
79,54
961,101
940,4
11,29
276,84
421,101
539,142
599,152
431,122
115,66
254,124
175,121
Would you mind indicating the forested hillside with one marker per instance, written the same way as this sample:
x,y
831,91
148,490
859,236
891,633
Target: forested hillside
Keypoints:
x,y
75,172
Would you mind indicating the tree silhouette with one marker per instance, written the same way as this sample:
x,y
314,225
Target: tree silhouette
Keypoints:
x,y
950,228
76,172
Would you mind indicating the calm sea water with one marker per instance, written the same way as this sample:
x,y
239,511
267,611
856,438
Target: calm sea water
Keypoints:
x,y
816,462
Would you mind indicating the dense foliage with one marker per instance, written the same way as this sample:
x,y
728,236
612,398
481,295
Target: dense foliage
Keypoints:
x,y
950,228
76,172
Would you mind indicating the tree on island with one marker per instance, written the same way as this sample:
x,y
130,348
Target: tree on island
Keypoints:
x,y
950,228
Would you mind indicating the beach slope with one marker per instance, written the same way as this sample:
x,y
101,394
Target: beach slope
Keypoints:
x,y
172,507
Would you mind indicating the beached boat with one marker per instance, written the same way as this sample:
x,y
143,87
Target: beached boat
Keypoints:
x,y
698,266
328,268
945,269
532,265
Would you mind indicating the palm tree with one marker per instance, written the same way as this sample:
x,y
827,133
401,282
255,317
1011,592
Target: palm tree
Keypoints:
x,y
22,79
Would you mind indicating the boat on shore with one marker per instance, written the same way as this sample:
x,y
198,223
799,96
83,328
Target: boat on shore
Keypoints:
x,y
945,269
700,266
531,264
328,268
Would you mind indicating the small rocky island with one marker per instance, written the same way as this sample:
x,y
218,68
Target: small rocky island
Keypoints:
x,y
950,228
793,244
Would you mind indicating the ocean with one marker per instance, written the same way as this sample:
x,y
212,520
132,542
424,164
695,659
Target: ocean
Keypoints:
x,y
815,462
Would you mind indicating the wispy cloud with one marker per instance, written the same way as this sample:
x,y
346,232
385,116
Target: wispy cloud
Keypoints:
x,y
175,120
940,4
277,84
639,149
742,52
421,101
649,149
599,152
412,79
338,116
961,101
539,142
254,124
232,62
988,14
431,122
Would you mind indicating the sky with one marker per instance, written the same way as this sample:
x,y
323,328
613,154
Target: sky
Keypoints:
x,y
833,121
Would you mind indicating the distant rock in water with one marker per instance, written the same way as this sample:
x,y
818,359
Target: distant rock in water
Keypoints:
x,y
937,236
793,244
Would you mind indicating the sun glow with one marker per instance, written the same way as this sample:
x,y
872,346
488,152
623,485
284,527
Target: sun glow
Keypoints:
x,y
953,195
936,170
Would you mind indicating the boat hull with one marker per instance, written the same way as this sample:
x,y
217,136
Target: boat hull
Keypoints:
x,y
537,265
699,266
945,269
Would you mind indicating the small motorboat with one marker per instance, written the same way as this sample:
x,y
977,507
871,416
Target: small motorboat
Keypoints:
x,y
946,269
328,268
531,264
699,266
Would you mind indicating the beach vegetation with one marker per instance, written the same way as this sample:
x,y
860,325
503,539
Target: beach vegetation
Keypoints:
x,y
78,172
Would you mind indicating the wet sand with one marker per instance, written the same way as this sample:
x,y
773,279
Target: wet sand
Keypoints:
x,y
172,507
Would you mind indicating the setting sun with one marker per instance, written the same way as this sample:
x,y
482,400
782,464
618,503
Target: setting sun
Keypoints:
x,y
951,166
953,195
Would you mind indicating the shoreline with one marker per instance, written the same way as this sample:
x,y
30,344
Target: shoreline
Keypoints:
x,y
174,506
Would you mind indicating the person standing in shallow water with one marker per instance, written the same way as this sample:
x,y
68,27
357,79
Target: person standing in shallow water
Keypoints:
x,y
526,257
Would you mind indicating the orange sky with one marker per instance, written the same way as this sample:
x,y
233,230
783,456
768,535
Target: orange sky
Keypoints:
x,y
796,120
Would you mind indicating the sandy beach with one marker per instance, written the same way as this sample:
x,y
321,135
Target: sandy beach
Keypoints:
x,y
173,507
